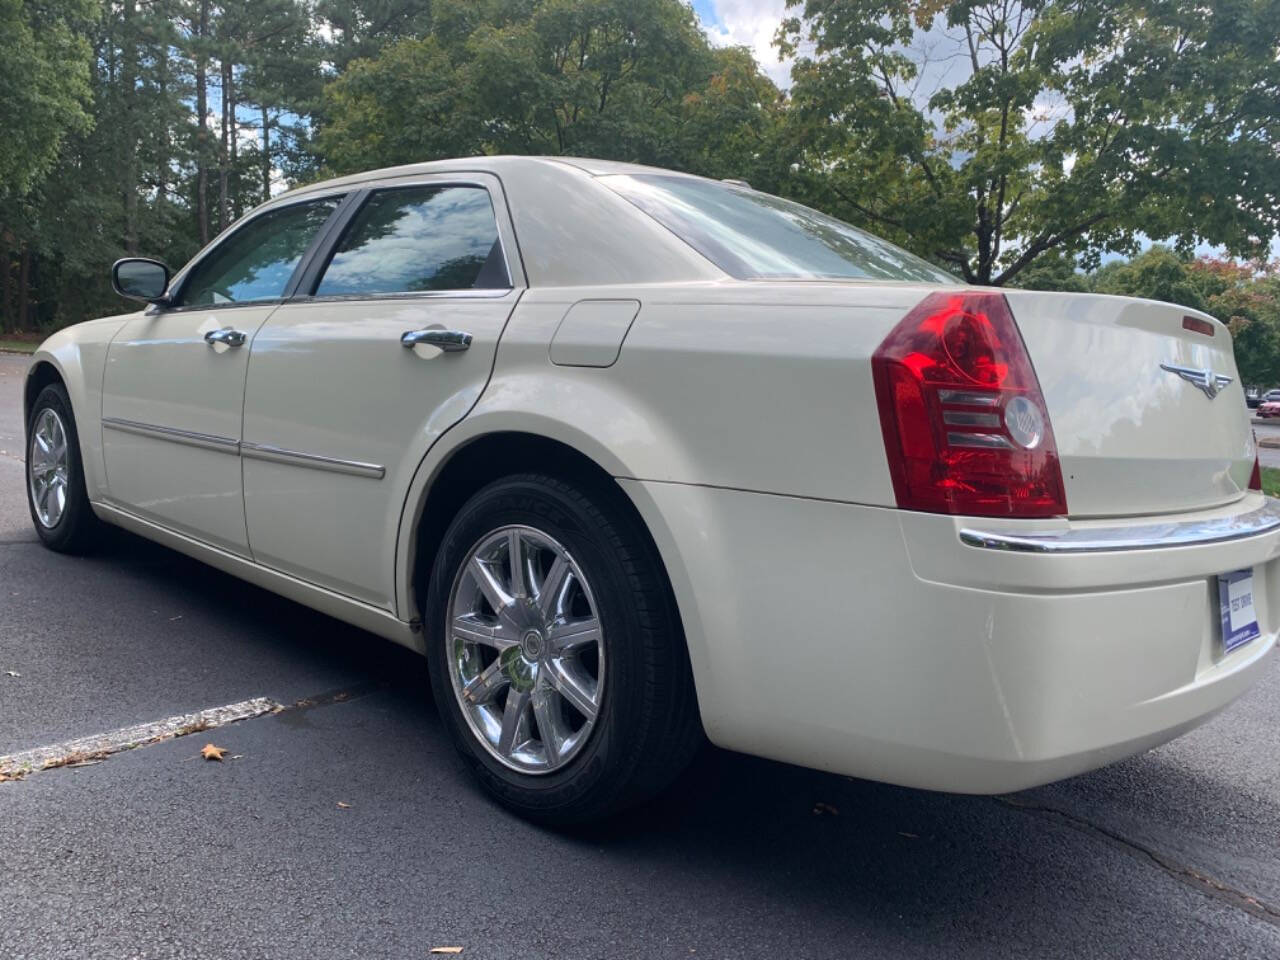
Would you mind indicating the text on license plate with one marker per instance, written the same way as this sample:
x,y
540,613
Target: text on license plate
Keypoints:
x,y
1236,608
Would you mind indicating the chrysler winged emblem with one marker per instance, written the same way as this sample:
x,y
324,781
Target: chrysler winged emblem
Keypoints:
x,y
1210,383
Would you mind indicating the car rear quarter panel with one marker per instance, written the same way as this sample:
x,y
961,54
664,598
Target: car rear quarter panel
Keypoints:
x,y
752,386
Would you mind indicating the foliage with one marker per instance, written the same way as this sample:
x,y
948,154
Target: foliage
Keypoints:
x,y
44,85
1079,126
1072,128
1244,296
623,79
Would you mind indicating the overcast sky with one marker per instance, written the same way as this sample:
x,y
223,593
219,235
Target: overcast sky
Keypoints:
x,y
747,23
753,24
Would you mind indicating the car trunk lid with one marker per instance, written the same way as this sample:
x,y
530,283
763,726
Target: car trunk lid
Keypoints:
x,y
1145,401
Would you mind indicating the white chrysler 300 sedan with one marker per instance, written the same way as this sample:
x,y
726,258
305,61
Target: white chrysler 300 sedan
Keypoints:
x,y
632,456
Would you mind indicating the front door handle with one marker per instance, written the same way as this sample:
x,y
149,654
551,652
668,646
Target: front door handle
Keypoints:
x,y
450,341
227,335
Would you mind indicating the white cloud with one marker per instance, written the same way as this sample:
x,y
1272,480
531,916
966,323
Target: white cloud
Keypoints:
x,y
748,23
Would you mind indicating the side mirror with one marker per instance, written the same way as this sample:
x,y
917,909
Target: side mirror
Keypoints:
x,y
137,278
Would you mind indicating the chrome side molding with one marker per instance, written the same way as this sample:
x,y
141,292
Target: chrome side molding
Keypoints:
x,y
1133,536
205,441
274,454
252,451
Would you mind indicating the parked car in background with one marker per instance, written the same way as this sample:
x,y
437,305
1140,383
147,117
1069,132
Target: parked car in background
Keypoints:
x,y
1252,397
1269,408
631,455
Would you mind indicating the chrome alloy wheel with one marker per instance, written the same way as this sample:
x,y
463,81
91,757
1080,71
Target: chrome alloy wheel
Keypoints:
x,y
526,651
48,468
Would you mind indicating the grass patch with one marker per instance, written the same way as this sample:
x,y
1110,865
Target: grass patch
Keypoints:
x,y
1271,481
18,346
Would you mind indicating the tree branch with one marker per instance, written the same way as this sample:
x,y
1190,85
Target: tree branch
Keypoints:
x,y
1045,243
866,212
959,258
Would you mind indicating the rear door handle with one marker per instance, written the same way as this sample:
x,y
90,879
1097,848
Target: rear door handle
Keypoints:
x,y
450,341
227,335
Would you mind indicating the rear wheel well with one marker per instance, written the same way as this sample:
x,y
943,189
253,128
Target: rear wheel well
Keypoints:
x,y
491,457
40,376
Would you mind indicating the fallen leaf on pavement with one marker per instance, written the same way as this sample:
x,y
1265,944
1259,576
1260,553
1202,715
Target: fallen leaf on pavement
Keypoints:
x,y
12,673
11,777
446,949
343,806
210,752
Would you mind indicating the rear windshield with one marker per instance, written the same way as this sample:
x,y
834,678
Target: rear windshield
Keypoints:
x,y
755,236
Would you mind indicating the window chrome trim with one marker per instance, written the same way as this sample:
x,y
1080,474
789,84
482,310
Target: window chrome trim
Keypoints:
x,y
205,441
1137,536
274,454
469,293
324,256
178,282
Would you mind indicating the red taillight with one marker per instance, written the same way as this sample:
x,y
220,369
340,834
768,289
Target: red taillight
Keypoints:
x,y
965,425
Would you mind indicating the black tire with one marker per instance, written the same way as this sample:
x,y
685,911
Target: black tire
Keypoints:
x,y
78,529
648,726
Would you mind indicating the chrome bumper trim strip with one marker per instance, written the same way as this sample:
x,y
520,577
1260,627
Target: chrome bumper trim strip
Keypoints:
x,y
205,441
265,451
1136,536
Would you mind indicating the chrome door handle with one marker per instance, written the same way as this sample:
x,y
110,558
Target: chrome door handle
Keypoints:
x,y
227,335
450,341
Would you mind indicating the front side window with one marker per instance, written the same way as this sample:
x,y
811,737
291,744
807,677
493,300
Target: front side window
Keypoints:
x,y
417,239
755,236
256,262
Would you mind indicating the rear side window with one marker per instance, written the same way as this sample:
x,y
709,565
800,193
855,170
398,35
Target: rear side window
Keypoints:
x,y
257,261
417,239
755,236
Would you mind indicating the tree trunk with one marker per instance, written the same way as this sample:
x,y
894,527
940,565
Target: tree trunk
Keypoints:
x,y
166,151
7,304
24,281
129,82
266,154
202,130
233,132
224,206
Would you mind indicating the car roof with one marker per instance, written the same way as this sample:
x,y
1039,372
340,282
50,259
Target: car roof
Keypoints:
x,y
499,164
570,229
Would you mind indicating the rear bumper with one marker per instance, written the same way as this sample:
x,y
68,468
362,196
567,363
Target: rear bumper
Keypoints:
x,y
878,643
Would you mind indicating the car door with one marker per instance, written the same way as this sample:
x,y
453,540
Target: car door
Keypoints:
x,y
388,344
173,390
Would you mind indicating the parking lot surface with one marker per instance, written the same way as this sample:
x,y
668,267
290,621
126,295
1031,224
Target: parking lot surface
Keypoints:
x,y
344,826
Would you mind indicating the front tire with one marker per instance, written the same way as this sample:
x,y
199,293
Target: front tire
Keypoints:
x,y
563,678
56,493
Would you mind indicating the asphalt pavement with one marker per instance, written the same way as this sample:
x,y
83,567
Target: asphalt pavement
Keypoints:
x,y
345,827
1268,429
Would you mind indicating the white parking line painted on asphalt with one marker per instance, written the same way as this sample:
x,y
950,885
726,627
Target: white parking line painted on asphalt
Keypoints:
x,y
102,745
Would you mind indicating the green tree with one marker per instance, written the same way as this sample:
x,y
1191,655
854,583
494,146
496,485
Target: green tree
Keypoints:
x,y
1156,274
1076,127
44,85
360,29
622,79
44,95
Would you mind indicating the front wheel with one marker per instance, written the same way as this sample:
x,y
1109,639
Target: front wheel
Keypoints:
x,y
56,492
557,658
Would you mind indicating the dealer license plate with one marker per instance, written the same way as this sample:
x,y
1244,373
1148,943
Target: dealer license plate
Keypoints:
x,y
1236,608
